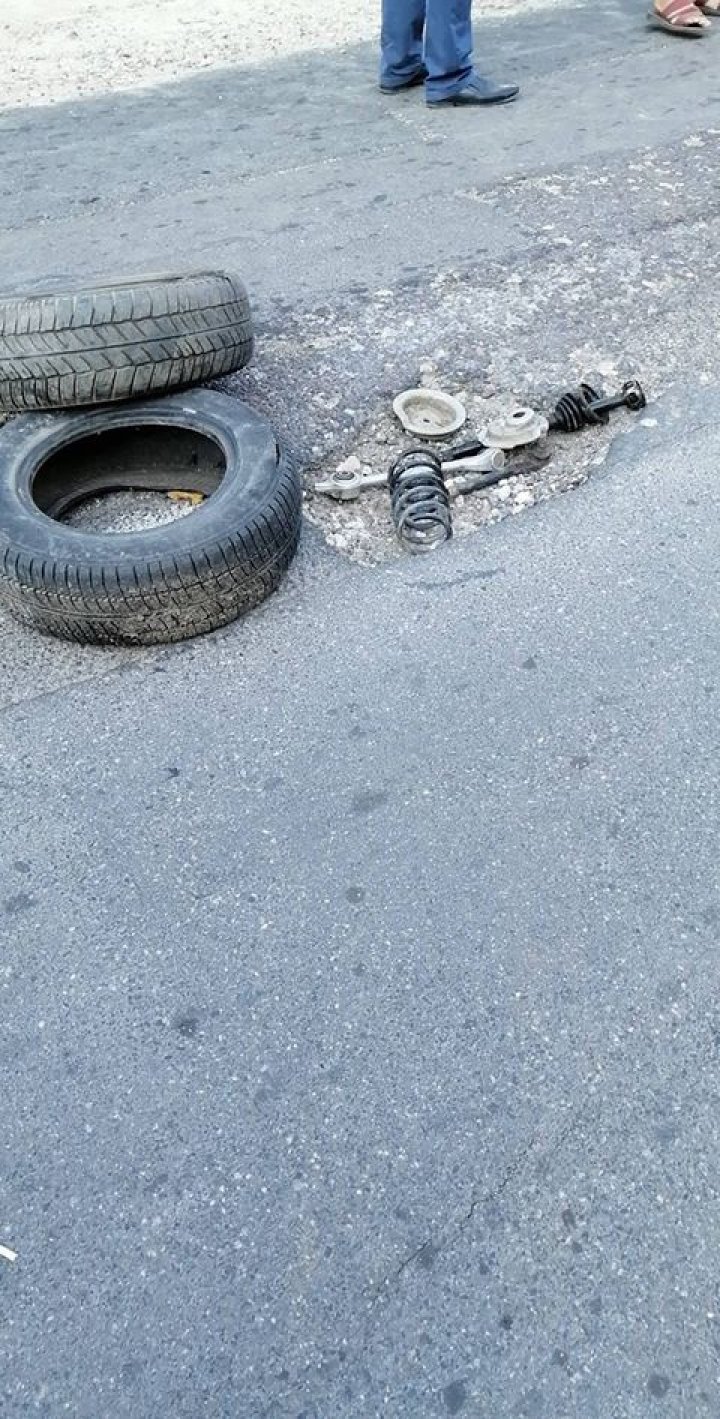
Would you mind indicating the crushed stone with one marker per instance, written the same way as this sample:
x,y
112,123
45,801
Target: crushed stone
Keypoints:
x,y
126,512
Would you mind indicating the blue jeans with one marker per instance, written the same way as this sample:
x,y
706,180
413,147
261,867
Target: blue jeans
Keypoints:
x,y
446,29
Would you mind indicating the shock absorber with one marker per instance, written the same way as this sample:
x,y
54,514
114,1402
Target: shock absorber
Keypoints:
x,y
585,406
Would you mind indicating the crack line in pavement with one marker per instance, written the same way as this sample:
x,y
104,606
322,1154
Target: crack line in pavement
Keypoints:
x,y
486,1199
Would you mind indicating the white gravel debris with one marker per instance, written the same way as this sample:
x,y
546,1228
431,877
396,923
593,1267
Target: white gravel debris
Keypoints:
x,y
58,50
127,512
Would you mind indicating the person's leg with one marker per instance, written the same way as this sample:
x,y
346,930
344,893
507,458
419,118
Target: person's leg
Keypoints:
x,y
448,47
448,59
401,43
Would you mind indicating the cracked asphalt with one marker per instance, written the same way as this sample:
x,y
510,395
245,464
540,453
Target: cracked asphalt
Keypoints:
x,y
361,1023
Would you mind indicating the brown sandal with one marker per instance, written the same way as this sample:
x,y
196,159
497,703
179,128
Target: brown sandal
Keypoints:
x,y
680,17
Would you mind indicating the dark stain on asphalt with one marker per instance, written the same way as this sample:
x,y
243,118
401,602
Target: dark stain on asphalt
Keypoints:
x,y
358,731
355,895
187,1024
369,800
427,1256
529,664
658,1385
131,1372
19,902
454,1396
667,1133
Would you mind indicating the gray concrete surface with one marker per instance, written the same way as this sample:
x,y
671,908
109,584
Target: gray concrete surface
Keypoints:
x,y
360,1048
360,1034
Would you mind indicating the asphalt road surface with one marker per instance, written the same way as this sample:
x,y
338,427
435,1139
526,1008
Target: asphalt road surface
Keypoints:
x,y
361,1027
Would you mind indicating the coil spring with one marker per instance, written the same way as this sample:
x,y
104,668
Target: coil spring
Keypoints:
x,y
573,410
419,500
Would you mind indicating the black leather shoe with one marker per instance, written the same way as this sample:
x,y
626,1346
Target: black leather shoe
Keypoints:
x,y
413,83
478,91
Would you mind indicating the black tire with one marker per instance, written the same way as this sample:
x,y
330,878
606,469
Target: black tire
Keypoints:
x,y
99,344
166,584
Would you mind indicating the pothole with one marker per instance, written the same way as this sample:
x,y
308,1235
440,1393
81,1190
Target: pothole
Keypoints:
x,y
362,529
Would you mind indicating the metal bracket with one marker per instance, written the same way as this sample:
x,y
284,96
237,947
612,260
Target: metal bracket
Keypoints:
x,y
462,475
345,485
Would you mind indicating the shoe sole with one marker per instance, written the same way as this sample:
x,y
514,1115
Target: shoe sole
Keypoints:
x,y
401,88
474,103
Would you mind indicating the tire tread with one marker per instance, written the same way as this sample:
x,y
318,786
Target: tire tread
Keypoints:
x,y
124,346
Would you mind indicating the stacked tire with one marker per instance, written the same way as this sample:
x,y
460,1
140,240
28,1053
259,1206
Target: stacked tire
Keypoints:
x,y
119,363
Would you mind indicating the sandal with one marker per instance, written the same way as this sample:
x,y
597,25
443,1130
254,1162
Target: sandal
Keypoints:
x,y
681,17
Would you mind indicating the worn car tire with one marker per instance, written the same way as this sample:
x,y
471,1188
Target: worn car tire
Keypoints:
x,y
99,344
177,580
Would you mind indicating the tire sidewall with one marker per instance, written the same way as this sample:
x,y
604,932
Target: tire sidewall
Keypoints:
x,y
249,485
